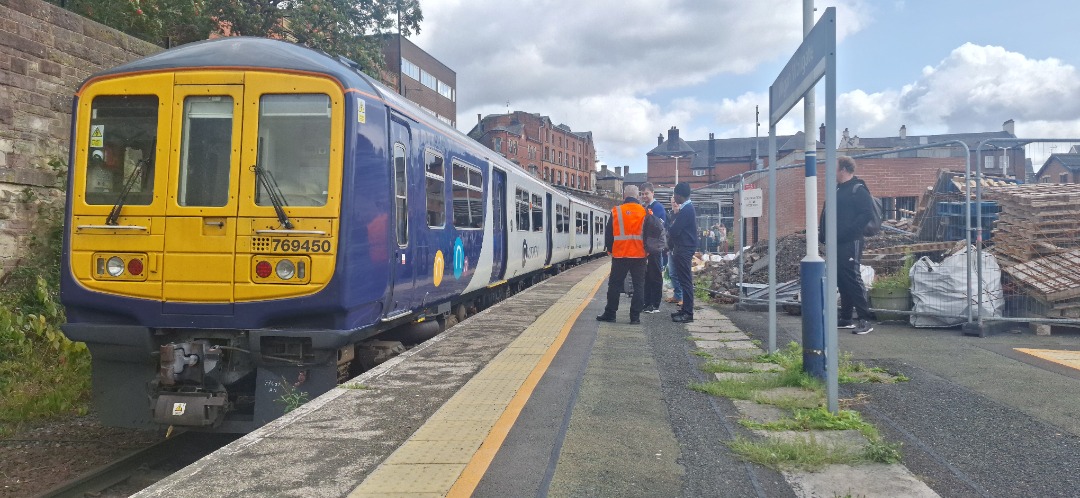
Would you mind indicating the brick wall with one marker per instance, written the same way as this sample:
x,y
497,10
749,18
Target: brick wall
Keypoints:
x,y
900,177
1052,173
45,53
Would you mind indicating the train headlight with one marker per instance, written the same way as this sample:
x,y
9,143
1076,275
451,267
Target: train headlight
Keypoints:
x,y
115,266
285,269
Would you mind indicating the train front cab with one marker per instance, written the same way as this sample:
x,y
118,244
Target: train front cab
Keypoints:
x,y
176,234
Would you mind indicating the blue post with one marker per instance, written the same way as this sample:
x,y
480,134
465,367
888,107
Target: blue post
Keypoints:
x,y
812,285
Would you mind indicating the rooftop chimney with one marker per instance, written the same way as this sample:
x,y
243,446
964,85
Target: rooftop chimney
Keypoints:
x,y
903,132
479,118
712,150
821,133
1009,127
660,139
673,138
618,171
603,168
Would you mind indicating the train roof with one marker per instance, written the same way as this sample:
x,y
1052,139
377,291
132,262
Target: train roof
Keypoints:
x,y
246,52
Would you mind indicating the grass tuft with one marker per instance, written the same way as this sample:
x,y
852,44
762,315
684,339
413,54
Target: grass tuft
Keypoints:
x,y
793,455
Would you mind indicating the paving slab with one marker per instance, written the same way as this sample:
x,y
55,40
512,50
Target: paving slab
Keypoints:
x,y
734,354
760,413
876,480
739,345
717,336
805,398
851,439
744,376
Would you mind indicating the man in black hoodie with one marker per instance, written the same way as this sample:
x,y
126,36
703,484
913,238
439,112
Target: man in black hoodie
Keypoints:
x,y
854,210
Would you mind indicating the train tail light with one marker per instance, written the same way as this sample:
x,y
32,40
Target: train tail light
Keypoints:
x,y
263,269
135,267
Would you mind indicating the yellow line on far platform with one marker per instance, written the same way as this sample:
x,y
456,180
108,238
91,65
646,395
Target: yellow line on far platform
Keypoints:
x,y
1064,357
481,460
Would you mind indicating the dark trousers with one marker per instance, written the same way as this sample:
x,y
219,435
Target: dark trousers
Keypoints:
x,y
849,281
619,268
681,259
654,280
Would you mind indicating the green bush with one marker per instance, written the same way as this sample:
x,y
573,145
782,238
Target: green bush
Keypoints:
x,y
42,373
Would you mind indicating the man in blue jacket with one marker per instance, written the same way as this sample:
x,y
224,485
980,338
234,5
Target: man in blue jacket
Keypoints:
x,y
854,210
654,276
683,239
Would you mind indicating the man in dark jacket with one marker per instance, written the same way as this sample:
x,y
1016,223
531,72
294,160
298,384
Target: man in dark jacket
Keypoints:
x,y
654,277
854,210
683,239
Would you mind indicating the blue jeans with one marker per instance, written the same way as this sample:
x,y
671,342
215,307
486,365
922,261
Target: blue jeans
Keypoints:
x,y
674,281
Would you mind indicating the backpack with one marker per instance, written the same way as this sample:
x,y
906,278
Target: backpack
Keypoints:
x,y
654,234
873,227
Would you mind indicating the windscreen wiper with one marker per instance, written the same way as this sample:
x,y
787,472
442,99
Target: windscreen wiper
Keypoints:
x,y
136,175
273,191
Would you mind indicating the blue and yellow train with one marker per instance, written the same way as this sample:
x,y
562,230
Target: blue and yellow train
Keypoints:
x,y
249,218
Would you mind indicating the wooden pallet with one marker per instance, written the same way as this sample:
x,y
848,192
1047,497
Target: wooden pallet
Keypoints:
x,y
1053,278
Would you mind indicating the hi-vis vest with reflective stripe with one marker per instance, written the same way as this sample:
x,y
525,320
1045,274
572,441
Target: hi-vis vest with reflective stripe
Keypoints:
x,y
626,226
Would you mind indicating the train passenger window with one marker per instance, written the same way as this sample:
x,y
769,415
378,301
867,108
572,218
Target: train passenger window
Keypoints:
x,y
537,213
123,136
206,151
294,132
436,190
401,200
560,218
467,196
521,198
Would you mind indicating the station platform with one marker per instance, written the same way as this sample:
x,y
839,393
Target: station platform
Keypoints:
x,y
534,397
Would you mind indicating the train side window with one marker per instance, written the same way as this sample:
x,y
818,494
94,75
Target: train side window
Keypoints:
x,y
294,131
521,198
537,213
206,151
467,196
123,136
436,190
401,200
559,218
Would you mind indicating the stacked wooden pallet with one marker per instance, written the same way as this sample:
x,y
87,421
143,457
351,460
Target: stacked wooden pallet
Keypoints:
x,y
1054,281
1036,220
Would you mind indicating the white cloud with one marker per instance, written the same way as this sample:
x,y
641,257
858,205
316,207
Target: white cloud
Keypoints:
x,y
597,65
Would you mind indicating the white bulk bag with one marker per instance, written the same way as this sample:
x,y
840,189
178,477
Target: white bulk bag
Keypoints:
x,y
938,288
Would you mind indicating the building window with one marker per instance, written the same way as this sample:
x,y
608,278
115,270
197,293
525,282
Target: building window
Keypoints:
x,y
410,69
699,172
428,80
1064,178
497,144
436,197
446,91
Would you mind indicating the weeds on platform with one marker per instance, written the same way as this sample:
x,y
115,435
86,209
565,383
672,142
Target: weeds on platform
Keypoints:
x,y
856,372
726,366
291,395
804,454
42,373
808,419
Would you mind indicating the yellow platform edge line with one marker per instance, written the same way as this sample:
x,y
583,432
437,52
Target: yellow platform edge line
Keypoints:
x,y
1071,360
478,465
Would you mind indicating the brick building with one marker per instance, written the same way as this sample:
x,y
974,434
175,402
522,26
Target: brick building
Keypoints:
x,y
609,182
1061,168
421,78
704,162
553,153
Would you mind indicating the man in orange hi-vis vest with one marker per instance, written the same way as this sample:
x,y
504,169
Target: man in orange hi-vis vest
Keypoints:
x,y
623,239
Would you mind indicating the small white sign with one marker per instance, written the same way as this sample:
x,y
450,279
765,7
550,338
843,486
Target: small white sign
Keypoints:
x,y
97,135
178,409
751,200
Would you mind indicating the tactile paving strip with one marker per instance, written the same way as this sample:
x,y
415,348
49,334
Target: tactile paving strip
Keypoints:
x,y
1067,358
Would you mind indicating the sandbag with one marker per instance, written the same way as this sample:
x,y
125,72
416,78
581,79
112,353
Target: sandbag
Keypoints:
x,y
939,288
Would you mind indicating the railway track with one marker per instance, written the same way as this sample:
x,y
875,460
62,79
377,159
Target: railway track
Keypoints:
x,y
139,469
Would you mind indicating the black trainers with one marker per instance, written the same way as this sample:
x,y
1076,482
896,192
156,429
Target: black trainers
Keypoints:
x,y
863,328
651,309
682,318
845,324
605,318
635,320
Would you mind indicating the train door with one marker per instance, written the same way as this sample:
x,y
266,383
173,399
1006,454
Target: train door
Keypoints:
x,y
201,212
402,265
548,229
498,224
592,234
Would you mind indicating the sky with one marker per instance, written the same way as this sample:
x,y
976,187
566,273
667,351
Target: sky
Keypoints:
x,y
628,70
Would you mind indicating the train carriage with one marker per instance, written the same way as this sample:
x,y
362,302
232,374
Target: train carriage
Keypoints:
x,y
246,215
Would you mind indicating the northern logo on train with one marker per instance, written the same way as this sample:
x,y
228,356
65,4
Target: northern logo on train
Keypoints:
x,y
439,267
459,258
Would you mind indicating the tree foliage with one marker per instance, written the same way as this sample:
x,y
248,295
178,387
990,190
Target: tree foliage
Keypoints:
x,y
163,22
343,27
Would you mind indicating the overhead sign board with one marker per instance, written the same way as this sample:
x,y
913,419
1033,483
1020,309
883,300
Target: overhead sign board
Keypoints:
x,y
750,203
805,68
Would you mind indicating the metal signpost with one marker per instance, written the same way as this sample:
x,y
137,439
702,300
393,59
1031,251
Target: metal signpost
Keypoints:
x,y
814,59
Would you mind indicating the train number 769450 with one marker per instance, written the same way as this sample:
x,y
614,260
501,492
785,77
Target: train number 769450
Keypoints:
x,y
299,245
